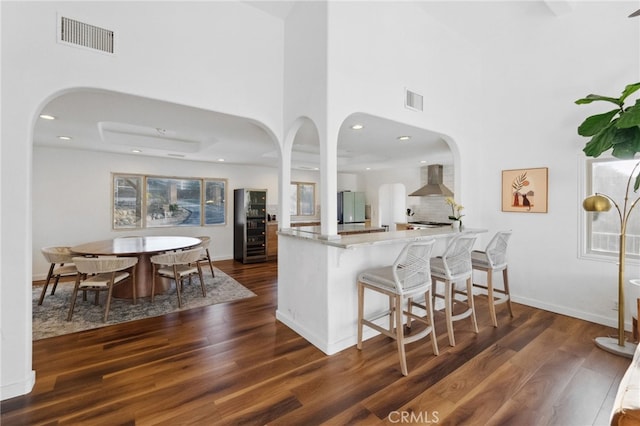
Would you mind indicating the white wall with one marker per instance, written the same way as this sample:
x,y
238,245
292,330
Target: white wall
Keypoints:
x,y
217,63
500,78
72,197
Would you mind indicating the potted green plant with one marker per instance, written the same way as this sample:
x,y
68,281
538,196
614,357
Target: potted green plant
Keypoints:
x,y
617,130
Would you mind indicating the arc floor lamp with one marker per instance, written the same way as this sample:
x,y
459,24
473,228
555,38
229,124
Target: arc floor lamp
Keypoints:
x,y
602,203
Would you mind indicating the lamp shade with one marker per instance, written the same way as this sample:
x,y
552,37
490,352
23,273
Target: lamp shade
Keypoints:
x,y
596,203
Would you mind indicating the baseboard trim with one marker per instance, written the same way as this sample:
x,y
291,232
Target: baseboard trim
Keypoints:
x,y
19,388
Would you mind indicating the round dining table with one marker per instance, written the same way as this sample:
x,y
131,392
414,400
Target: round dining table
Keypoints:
x,y
142,248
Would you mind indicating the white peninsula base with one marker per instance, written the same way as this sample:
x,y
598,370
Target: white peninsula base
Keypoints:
x,y
317,292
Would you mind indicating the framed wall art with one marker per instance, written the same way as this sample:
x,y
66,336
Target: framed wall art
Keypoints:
x,y
525,190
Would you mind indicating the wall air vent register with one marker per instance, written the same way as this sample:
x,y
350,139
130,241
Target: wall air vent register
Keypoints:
x,y
412,100
81,34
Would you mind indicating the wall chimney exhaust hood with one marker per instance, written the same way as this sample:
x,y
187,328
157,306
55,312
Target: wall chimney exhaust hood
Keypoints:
x,y
434,184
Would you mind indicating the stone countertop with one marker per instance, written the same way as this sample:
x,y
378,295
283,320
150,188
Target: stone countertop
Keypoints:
x,y
344,228
375,238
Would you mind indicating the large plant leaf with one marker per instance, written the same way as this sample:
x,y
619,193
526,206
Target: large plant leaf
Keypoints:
x,y
637,184
631,88
601,142
591,98
630,117
626,142
596,123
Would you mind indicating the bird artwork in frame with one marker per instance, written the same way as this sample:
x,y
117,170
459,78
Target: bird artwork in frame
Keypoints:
x,y
525,190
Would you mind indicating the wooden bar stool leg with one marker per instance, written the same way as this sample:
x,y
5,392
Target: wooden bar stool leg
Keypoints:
x,y
491,298
471,304
429,308
448,310
505,278
399,333
360,313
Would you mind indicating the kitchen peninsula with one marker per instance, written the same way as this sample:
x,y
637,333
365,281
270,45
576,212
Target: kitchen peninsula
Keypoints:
x,y
317,292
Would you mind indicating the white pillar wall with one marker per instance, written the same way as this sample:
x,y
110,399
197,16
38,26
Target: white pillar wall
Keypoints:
x,y
35,68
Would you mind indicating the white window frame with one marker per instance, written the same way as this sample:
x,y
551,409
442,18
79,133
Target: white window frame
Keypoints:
x,y
585,190
298,184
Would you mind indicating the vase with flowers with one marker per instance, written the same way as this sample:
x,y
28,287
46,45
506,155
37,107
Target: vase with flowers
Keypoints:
x,y
456,210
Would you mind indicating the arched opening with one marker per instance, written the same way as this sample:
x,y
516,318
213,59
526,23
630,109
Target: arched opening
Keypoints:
x,y
388,160
110,132
302,203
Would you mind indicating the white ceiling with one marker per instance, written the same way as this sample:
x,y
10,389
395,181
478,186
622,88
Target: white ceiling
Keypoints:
x,y
120,123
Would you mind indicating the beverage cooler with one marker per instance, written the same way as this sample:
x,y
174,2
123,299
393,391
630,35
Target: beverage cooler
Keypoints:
x,y
250,225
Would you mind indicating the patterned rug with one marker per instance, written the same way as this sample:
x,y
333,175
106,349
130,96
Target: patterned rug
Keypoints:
x,y
50,318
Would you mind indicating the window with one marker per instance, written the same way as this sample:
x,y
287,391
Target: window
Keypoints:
x,y
303,199
168,201
610,176
127,201
173,202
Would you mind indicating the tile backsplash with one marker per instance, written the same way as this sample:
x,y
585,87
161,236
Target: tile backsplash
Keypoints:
x,y
432,208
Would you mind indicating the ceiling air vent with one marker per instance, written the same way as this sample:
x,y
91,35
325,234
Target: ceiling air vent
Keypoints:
x,y
412,100
85,35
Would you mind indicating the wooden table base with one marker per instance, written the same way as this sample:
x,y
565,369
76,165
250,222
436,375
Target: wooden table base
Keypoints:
x,y
144,277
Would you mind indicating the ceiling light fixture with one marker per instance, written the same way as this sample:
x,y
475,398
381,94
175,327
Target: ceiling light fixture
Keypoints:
x,y
357,127
367,168
47,117
137,151
65,138
403,138
221,160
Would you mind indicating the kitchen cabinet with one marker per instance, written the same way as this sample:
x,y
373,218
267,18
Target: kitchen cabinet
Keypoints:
x,y
272,240
250,225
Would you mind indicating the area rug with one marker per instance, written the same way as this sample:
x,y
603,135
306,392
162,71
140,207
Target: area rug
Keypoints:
x,y
50,318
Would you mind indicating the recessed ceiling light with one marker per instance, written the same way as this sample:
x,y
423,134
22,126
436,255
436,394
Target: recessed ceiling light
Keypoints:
x,y
65,138
367,168
357,127
47,117
221,160
137,151
404,138
423,161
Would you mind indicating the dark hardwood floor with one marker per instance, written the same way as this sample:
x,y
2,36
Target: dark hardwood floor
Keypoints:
x,y
233,364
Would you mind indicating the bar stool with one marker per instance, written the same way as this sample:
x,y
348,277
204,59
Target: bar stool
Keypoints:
x,y
492,260
452,267
409,276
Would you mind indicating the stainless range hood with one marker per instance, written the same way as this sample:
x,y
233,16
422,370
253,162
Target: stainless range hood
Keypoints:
x,y
434,184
